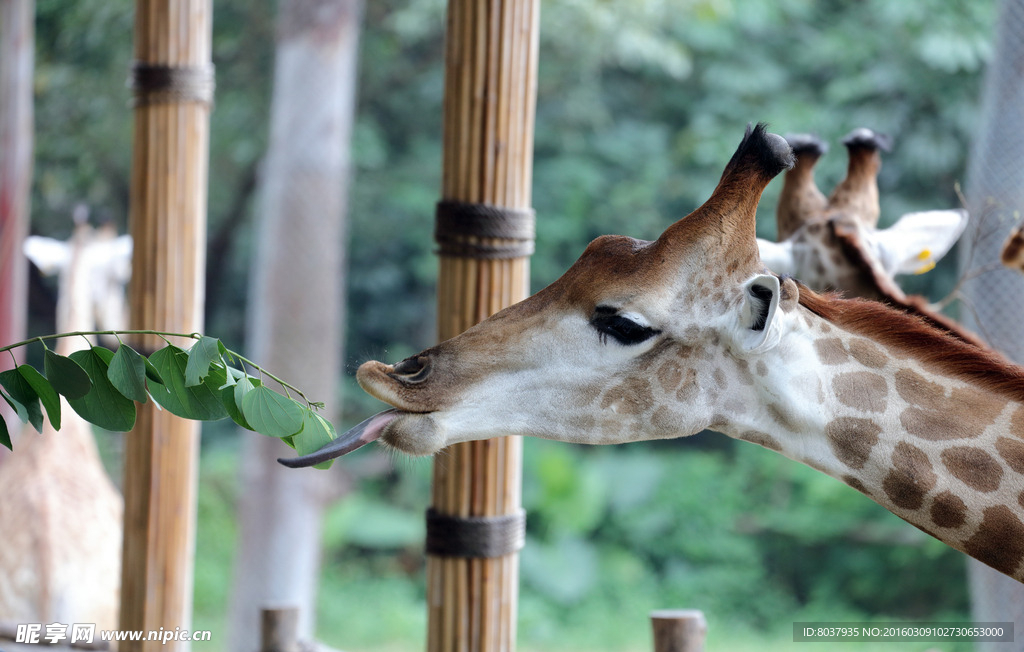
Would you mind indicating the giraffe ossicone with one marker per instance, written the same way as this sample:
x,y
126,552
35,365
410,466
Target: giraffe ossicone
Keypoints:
x,y
652,340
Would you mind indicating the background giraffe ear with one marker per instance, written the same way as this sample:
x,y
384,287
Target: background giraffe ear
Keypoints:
x,y
777,256
49,255
759,329
916,241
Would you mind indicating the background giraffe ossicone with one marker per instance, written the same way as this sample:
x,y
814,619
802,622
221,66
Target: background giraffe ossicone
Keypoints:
x,y
647,340
61,516
834,244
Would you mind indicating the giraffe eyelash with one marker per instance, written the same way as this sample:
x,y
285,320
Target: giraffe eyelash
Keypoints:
x,y
609,323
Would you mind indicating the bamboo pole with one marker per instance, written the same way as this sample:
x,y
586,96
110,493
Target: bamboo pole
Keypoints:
x,y
490,95
173,84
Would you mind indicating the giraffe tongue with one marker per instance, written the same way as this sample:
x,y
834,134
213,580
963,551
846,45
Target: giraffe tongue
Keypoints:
x,y
362,434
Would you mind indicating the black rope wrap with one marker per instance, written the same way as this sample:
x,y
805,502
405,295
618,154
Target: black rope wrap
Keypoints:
x,y
475,537
157,84
455,222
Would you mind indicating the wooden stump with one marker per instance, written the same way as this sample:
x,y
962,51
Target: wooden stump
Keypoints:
x,y
679,630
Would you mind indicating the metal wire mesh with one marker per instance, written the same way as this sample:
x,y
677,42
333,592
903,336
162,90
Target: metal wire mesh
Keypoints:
x,y
994,295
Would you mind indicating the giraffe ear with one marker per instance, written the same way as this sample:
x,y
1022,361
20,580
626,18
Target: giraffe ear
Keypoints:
x,y
49,255
916,241
777,256
759,330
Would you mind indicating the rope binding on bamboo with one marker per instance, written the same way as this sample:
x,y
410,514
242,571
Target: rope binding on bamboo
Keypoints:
x,y
459,225
161,84
475,537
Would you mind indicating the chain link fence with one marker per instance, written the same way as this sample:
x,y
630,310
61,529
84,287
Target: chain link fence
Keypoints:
x,y
993,296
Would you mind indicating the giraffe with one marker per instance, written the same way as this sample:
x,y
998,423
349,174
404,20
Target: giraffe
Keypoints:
x,y
61,516
1012,254
834,243
652,340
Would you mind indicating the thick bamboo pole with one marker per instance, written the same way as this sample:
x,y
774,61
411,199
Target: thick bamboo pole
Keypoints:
x,y
17,56
172,81
490,95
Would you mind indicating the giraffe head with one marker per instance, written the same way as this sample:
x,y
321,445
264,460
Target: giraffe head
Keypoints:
x,y
589,358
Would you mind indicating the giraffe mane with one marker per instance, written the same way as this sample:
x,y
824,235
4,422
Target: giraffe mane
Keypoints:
x,y
891,294
937,348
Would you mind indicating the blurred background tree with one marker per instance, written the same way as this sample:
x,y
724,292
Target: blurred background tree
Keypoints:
x,y
640,104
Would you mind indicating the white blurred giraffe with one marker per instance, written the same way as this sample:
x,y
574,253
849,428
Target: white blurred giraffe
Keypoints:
x,y
60,514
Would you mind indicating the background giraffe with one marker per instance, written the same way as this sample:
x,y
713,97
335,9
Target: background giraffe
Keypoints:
x,y
834,243
1013,249
649,340
61,515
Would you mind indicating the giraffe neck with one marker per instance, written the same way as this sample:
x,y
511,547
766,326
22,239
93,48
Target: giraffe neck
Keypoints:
x,y
944,453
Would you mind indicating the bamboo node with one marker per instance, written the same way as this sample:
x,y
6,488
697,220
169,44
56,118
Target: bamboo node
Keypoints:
x,y
161,84
475,537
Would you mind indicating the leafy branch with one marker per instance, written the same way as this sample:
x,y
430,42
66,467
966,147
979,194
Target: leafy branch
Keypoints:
x,y
200,383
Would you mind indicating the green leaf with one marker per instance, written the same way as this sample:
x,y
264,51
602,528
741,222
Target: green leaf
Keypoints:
x,y
151,372
231,396
316,433
271,413
202,354
17,407
66,375
5,436
45,391
198,402
21,392
127,372
104,405
104,353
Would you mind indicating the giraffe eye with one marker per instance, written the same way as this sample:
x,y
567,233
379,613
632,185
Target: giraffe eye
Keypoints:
x,y
624,330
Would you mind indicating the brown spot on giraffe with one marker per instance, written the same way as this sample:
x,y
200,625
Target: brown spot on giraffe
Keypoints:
x,y
782,417
852,439
928,415
910,478
719,376
1017,423
743,367
867,353
862,390
1012,451
999,541
688,389
761,439
830,351
856,484
670,376
948,510
666,419
633,396
918,390
974,467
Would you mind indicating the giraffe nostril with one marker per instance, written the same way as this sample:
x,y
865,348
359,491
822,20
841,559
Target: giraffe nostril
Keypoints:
x,y
412,370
